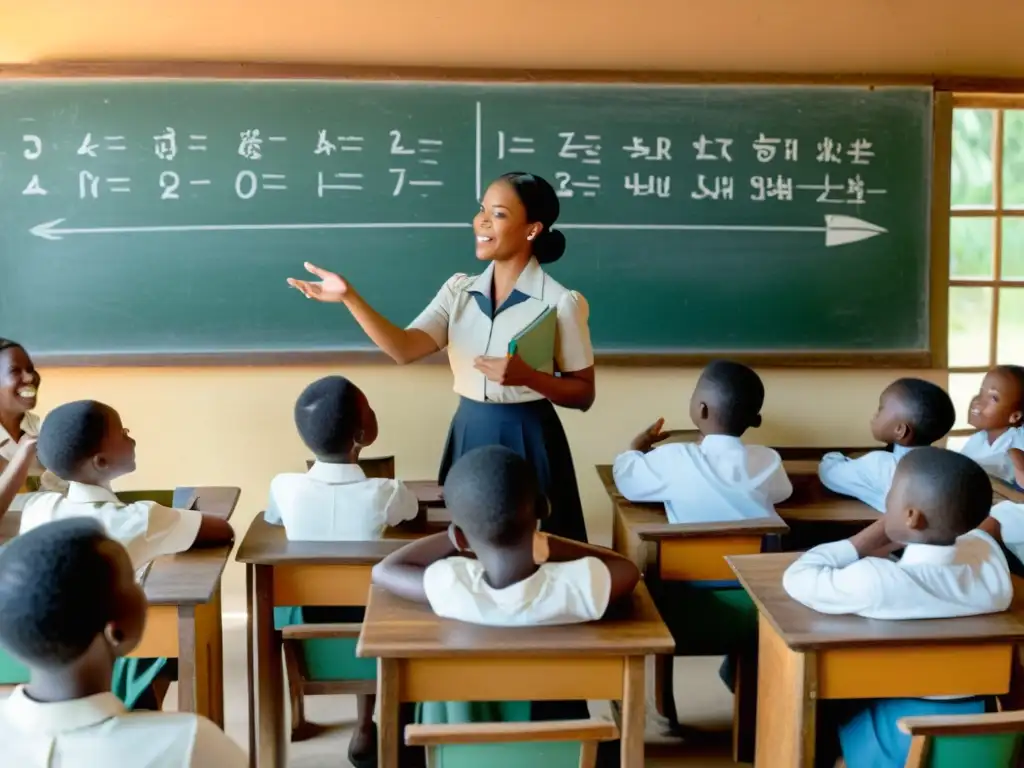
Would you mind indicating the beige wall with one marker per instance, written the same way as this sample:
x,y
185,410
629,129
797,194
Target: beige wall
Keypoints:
x,y
233,425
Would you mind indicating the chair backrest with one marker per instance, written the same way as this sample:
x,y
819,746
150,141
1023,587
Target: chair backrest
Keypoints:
x,y
991,740
544,744
164,497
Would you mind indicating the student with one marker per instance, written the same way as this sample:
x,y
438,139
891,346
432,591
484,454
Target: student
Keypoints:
x,y
718,478
997,412
518,577
948,569
69,606
912,413
15,473
334,501
85,444
19,388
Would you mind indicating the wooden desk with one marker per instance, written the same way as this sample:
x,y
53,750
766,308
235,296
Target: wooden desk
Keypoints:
x,y
281,572
812,502
807,656
425,658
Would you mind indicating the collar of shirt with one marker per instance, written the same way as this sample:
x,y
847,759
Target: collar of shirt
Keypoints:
x,y
91,494
928,554
714,444
60,716
29,425
336,474
1000,445
899,451
530,285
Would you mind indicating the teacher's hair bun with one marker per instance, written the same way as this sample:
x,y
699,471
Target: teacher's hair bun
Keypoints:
x,y
549,246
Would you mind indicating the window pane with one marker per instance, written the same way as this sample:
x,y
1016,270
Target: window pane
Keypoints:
x,y
963,387
1011,326
1013,248
1013,158
970,313
970,247
971,182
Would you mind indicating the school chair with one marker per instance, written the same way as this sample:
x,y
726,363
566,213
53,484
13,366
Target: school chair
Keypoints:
x,y
991,740
550,744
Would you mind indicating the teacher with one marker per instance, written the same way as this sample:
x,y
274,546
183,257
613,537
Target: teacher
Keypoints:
x,y
504,400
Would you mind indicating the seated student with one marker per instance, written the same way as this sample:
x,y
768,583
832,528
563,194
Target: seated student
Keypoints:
x,y
948,569
718,478
519,576
997,412
334,501
19,387
85,444
912,413
69,606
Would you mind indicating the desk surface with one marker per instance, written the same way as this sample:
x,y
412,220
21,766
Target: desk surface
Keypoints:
x,y
266,544
803,629
397,628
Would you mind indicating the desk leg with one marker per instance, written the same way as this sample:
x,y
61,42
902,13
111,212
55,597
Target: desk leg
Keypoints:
x,y
787,688
389,732
250,659
632,733
271,747
201,659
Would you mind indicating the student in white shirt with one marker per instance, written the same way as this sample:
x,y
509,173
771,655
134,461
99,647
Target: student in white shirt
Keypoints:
x,y
519,577
912,413
70,606
997,412
948,569
718,478
19,388
335,501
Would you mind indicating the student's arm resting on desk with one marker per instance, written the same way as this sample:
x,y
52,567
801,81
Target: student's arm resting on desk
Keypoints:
x,y
402,505
624,573
778,487
646,477
401,572
15,473
867,478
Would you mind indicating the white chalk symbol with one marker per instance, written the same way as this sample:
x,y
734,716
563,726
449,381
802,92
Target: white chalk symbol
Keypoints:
x,y
838,230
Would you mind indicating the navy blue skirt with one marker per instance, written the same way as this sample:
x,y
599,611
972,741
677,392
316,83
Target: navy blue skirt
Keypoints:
x,y
534,431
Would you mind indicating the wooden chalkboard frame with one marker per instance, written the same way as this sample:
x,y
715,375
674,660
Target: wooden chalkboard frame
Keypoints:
x,y
935,356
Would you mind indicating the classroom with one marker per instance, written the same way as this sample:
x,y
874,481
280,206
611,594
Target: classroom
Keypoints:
x,y
939,88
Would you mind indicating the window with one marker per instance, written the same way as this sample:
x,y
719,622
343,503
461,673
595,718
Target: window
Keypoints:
x,y
986,245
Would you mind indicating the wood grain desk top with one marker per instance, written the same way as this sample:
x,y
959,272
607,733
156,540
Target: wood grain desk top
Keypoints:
x,y
266,544
428,492
397,628
215,499
804,629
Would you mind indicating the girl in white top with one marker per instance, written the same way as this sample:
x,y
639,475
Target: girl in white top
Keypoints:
x,y
19,388
997,412
504,400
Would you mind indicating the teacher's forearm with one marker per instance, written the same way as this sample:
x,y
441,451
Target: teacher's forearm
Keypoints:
x,y
401,345
570,390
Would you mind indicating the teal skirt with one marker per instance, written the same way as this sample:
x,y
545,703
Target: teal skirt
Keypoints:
x,y
328,659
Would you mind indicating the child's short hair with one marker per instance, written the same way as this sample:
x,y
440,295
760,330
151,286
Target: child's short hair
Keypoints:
x,y
948,485
1017,372
487,491
929,408
57,591
327,415
71,435
739,394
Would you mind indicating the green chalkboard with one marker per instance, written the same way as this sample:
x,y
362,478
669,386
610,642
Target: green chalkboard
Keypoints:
x,y
698,218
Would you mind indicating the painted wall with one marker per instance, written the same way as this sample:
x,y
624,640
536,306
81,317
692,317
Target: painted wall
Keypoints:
x,y
233,425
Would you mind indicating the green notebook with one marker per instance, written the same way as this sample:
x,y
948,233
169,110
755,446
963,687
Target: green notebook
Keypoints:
x,y
535,344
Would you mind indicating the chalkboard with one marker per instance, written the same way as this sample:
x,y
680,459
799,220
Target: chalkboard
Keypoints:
x,y
161,217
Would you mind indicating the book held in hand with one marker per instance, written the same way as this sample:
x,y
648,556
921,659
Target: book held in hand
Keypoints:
x,y
535,343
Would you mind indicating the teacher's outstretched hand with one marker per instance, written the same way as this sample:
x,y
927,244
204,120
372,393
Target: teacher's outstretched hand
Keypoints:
x,y
505,401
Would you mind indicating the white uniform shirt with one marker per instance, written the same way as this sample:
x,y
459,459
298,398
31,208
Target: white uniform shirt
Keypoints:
x,y
459,318
929,582
557,593
9,447
146,529
336,502
993,457
1011,526
720,479
868,478
97,731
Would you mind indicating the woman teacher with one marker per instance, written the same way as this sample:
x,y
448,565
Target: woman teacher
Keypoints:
x,y
504,400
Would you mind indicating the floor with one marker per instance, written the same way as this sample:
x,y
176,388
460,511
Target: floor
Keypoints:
x,y
701,698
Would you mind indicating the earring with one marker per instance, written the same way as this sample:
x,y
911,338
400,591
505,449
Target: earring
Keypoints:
x,y
529,237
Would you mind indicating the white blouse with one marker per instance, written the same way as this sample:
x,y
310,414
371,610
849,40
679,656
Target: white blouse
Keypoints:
x,y
459,318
